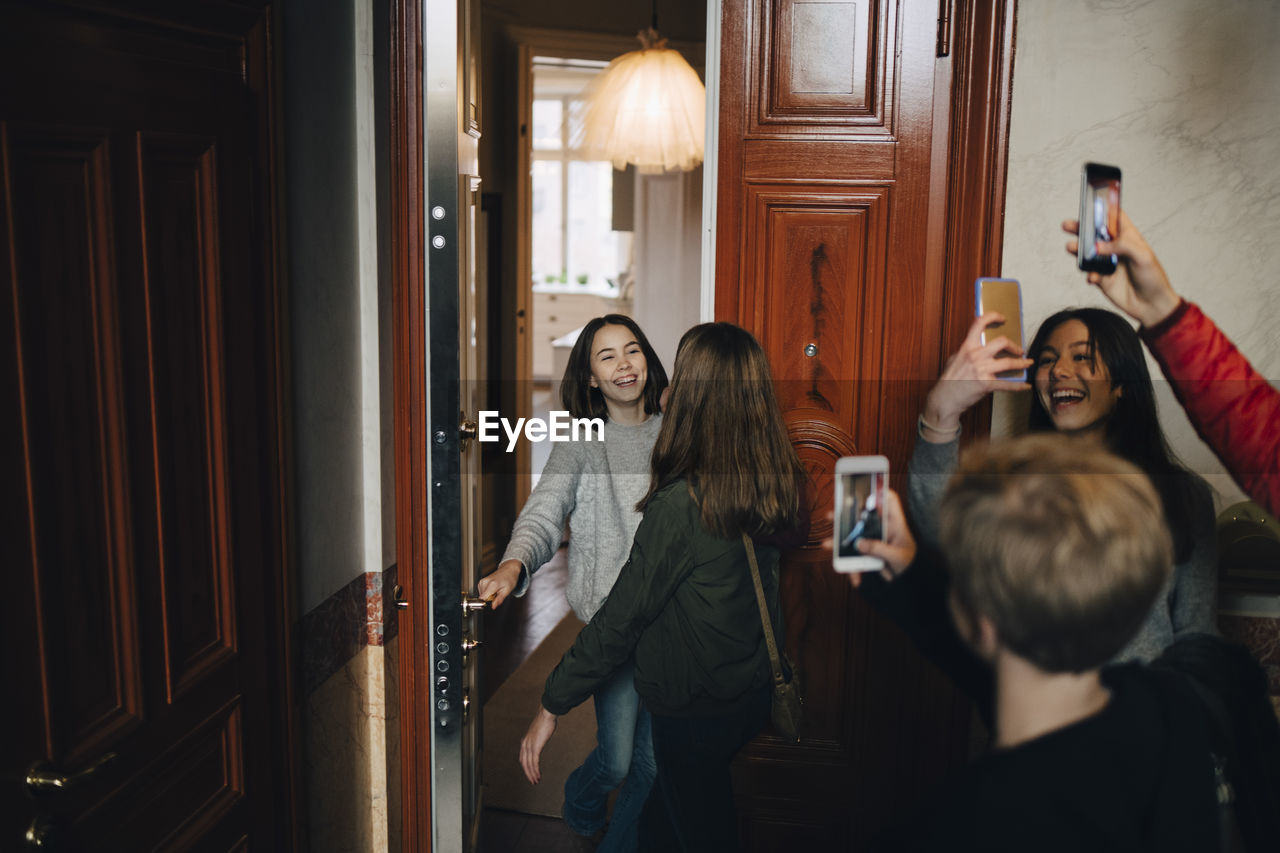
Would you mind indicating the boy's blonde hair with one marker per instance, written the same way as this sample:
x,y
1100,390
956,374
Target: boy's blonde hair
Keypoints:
x,y
1060,544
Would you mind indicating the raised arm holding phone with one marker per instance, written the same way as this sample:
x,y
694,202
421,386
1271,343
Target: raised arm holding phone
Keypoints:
x,y
1088,377
1233,408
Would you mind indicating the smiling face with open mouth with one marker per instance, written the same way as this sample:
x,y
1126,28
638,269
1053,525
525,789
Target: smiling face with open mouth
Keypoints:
x,y
1072,382
619,370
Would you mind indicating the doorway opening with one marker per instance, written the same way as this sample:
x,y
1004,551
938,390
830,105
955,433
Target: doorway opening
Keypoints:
x,y
580,230
588,240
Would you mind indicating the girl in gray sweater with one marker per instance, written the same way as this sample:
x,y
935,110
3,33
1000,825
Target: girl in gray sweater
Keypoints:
x,y
1088,378
613,374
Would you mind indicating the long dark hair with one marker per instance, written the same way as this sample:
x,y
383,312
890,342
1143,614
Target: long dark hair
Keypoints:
x,y
576,393
723,432
1132,429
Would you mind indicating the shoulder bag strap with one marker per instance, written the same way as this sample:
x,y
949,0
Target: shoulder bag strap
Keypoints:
x,y
774,661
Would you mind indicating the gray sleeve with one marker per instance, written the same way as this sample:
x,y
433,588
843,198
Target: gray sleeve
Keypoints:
x,y
930,468
1195,592
540,527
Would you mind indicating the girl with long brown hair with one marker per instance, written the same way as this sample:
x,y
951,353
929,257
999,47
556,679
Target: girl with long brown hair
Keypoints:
x,y
684,607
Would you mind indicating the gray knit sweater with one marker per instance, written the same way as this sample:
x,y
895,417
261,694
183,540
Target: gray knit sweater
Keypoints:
x,y
1189,602
596,485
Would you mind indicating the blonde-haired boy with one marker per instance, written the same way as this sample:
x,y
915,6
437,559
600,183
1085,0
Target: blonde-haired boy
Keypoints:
x,y
1055,552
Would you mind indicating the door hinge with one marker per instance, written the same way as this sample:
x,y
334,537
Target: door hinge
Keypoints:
x,y
944,28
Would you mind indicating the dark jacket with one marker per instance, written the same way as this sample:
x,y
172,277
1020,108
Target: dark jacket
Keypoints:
x,y
685,605
1136,776
1233,408
916,601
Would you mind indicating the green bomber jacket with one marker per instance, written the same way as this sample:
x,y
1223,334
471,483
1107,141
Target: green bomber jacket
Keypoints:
x,y
685,607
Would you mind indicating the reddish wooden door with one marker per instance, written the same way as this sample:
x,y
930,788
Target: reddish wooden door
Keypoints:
x,y
148,611
835,205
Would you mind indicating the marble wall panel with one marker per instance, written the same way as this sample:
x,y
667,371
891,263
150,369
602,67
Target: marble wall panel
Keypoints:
x,y
334,632
350,721
391,663
1182,96
345,722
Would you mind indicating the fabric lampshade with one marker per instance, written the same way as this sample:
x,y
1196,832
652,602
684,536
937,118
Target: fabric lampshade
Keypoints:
x,y
648,107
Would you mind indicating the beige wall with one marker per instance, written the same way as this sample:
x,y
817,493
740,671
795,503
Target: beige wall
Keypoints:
x,y
341,416
1184,96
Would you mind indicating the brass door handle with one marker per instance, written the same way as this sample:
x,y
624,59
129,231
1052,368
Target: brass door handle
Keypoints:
x,y
45,834
467,432
397,595
44,778
471,605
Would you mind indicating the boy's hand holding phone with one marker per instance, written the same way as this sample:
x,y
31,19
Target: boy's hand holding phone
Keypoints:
x,y
898,547
861,482
870,531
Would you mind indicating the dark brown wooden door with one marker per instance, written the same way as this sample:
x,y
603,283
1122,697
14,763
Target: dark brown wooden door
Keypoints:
x,y
833,212
147,618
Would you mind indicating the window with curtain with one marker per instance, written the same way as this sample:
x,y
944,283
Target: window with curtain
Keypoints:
x,y
573,238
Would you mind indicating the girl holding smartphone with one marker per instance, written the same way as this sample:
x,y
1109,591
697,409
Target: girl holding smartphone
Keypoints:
x,y
1089,377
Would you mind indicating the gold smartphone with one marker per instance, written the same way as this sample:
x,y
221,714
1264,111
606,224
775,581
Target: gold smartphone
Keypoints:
x,y
1004,296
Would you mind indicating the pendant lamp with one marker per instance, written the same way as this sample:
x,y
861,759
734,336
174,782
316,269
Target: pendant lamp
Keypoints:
x,y
648,108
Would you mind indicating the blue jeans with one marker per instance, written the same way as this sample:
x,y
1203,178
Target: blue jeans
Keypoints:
x,y
624,752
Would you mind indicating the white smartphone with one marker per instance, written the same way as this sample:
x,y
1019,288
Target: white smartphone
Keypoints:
x,y
860,510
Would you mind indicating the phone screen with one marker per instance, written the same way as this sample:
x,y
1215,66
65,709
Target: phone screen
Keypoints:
x,y
1099,216
861,513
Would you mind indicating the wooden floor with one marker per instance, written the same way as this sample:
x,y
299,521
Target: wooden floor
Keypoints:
x,y
512,832
515,629
511,633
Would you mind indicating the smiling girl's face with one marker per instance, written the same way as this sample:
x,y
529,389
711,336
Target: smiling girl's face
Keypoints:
x,y
619,370
1073,385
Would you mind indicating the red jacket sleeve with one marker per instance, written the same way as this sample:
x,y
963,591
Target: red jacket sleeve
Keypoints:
x,y
1233,408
